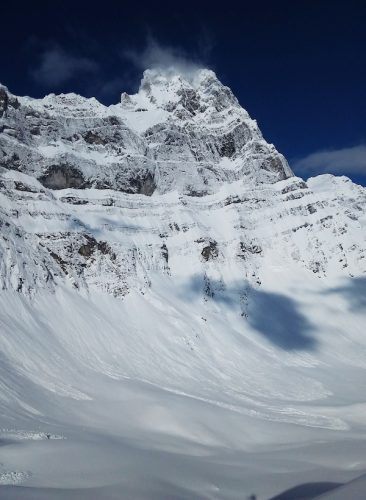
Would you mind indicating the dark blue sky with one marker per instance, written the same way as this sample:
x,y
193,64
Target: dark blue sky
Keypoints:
x,y
299,68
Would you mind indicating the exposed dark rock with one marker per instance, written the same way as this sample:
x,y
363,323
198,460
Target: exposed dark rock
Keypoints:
x,y
113,120
20,284
227,148
142,184
62,177
73,201
302,226
13,132
294,186
105,249
174,226
232,200
59,260
4,101
190,191
93,138
72,138
10,162
315,266
311,209
189,100
207,288
327,218
295,196
249,248
20,186
101,184
164,252
14,103
33,113
275,164
87,249
174,139
210,251
7,101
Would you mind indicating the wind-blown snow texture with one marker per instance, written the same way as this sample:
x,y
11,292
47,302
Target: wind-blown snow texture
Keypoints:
x,y
175,302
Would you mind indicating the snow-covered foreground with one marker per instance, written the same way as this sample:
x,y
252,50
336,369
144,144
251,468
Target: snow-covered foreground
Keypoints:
x,y
168,394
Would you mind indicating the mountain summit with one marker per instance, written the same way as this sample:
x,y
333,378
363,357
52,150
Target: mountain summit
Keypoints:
x,y
174,134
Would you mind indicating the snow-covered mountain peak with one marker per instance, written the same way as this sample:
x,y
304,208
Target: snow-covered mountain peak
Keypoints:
x,y
195,91
186,143
178,133
193,78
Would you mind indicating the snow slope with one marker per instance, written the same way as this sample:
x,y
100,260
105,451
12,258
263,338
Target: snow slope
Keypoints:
x,y
180,316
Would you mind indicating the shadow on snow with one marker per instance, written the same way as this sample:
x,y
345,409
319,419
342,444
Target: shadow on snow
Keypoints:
x,y
275,316
354,291
278,318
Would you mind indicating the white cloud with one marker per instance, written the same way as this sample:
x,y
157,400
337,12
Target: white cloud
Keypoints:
x,y
58,66
336,161
164,58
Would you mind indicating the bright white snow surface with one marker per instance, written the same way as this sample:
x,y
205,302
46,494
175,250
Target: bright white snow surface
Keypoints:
x,y
165,395
205,342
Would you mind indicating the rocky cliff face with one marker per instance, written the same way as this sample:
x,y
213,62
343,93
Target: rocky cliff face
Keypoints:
x,y
173,135
176,179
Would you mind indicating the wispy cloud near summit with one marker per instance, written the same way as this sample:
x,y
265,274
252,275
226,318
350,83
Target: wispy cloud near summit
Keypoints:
x,y
166,58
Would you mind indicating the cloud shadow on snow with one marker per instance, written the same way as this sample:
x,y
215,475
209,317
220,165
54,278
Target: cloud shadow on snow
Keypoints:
x,y
307,491
277,317
354,292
